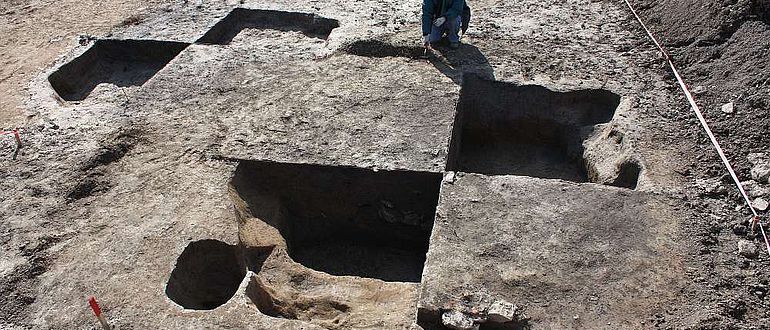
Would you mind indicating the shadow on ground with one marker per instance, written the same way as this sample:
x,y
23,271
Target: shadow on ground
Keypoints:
x,y
453,63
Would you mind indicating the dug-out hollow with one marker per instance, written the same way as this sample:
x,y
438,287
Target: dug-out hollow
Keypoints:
x,y
119,62
225,30
506,129
343,220
206,275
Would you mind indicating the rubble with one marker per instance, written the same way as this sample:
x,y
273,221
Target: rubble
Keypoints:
x,y
754,189
502,311
698,90
760,170
747,249
760,204
458,321
728,108
710,187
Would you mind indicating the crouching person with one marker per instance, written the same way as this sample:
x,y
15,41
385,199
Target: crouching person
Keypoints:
x,y
442,17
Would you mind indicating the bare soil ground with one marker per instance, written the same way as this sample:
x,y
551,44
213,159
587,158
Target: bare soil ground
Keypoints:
x,y
37,32
280,168
723,50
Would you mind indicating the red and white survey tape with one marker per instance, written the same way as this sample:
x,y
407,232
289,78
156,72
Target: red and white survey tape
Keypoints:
x,y
756,218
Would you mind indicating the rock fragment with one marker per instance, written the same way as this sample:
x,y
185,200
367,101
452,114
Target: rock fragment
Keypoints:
x,y
449,177
502,311
728,107
760,204
710,187
698,90
760,170
747,249
458,321
754,189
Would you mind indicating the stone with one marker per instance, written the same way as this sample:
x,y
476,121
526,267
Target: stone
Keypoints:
x,y
760,204
710,187
760,171
449,177
458,321
728,107
502,311
747,249
699,90
756,157
754,189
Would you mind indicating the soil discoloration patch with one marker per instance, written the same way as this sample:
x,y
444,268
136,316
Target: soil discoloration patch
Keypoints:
x,y
18,289
378,48
94,172
114,149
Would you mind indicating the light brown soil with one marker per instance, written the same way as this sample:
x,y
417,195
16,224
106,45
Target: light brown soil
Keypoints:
x,y
34,33
126,193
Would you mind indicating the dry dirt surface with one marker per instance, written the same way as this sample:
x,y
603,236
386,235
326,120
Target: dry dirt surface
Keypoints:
x,y
36,32
308,165
723,49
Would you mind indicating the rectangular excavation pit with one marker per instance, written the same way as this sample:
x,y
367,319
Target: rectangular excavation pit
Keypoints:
x,y
118,62
238,19
343,220
502,128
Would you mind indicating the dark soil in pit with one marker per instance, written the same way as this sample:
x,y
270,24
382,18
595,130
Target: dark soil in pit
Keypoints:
x,y
628,175
119,62
501,128
379,49
207,274
240,18
345,221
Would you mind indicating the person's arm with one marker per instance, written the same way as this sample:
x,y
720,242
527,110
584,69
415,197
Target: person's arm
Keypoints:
x,y
455,10
427,16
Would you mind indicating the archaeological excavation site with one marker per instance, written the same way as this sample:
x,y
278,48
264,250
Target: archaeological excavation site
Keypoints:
x,y
189,164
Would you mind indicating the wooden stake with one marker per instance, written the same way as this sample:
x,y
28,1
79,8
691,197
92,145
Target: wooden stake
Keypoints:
x,y
98,313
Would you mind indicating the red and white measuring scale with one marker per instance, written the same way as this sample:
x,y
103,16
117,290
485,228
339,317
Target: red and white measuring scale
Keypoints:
x,y
16,135
98,312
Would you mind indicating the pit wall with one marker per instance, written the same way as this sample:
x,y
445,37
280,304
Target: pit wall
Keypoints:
x,y
337,247
507,129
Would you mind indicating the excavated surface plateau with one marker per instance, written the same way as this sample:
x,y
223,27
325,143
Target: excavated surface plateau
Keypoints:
x,y
306,165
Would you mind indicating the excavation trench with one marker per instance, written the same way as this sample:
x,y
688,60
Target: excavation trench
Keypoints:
x,y
225,30
344,221
380,49
502,128
119,62
206,275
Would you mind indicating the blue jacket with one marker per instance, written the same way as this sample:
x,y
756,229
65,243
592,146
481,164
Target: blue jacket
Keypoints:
x,y
432,9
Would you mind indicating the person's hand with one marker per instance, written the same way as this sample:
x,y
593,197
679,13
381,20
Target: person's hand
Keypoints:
x,y
439,21
426,41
